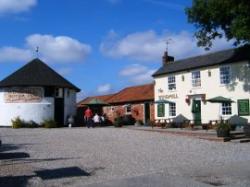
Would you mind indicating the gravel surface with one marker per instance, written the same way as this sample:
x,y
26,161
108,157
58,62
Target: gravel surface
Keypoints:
x,y
79,156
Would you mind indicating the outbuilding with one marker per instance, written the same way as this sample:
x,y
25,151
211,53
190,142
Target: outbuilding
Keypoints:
x,y
36,92
135,101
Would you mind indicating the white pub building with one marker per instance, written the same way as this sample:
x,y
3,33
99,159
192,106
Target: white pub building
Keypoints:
x,y
36,93
203,88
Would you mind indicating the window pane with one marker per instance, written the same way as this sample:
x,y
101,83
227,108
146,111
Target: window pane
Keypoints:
x,y
226,109
225,75
128,109
172,109
171,83
196,79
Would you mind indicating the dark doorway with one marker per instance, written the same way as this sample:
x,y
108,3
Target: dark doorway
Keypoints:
x,y
196,110
59,111
146,112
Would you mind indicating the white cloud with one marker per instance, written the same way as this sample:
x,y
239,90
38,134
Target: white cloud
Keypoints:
x,y
16,6
105,88
137,73
64,71
133,70
149,46
14,54
58,49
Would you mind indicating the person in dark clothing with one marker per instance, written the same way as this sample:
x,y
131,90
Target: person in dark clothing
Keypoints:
x,y
88,117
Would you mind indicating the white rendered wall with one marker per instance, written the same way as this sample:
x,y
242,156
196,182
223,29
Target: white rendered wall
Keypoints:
x,y
239,88
27,111
69,103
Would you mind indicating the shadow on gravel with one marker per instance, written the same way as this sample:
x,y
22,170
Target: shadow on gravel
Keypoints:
x,y
61,173
17,155
14,181
8,147
211,180
27,161
11,181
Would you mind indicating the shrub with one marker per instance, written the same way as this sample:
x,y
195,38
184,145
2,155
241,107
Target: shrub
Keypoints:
x,y
223,130
31,124
118,121
223,126
49,123
128,120
17,123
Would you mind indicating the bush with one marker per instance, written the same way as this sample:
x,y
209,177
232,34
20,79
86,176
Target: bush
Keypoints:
x,y
223,130
128,120
17,123
118,121
49,123
31,124
223,126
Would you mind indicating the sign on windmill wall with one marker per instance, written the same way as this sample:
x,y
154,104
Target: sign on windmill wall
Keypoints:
x,y
23,95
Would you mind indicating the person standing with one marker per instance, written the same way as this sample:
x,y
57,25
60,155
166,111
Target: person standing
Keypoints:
x,y
88,117
96,119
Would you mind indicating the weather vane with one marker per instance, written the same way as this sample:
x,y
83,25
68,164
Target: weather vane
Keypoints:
x,y
169,40
37,51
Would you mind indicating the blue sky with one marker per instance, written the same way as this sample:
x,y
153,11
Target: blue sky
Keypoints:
x,y
101,46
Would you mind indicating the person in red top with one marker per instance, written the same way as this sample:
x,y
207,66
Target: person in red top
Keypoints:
x,y
88,117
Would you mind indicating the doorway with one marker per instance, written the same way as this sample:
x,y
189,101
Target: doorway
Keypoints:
x,y
196,110
146,112
59,111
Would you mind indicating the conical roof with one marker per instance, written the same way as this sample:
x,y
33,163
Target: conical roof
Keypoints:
x,y
36,73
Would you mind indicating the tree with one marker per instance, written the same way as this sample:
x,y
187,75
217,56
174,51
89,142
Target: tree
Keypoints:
x,y
215,18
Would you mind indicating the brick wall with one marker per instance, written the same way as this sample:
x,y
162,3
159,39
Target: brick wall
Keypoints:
x,y
137,111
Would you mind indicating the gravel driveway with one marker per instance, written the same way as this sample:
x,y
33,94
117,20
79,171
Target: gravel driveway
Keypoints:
x,y
79,156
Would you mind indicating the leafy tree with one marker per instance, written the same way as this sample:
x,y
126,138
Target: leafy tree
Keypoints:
x,y
215,18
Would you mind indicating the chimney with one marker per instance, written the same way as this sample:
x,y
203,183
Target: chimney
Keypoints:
x,y
167,59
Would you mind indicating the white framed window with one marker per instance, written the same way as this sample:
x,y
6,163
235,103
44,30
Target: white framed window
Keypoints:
x,y
196,79
171,83
59,92
172,109
226,109
128,109
225,75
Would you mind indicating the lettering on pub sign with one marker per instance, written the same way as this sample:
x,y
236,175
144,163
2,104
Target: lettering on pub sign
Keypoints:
x,y
170,96
23,95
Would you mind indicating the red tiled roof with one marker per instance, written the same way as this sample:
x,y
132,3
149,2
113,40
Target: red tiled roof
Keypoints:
x,y
133,94
127,95
100,97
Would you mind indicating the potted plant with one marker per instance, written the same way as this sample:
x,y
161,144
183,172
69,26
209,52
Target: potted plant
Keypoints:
x,y
223,130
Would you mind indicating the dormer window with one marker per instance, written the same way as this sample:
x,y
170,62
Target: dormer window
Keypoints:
x,y
171,83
